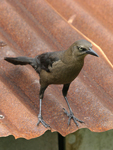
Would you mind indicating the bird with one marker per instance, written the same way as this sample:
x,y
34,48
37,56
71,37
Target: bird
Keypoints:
x,y
58,67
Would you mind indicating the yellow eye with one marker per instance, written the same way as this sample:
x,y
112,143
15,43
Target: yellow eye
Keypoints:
x,y
82,49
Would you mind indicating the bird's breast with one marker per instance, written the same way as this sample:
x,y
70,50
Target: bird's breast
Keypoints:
x,y
61,73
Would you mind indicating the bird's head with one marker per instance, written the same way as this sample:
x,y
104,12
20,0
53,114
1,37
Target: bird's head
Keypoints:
x,y
82,47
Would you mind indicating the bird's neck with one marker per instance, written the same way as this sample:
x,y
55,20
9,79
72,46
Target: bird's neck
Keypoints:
x,y
69,57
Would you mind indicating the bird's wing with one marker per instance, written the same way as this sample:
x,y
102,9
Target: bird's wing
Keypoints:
x,y
45,60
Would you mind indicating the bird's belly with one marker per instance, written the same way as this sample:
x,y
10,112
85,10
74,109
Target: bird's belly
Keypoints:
x,y
64,76
60,74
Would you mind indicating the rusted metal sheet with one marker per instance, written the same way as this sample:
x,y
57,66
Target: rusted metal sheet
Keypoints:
x,y
29,28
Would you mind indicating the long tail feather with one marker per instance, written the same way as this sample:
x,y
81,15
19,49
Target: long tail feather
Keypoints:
x,y
19,60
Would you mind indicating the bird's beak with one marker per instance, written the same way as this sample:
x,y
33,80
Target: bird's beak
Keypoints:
x,y
92,52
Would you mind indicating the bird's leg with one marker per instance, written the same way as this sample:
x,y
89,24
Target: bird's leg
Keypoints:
x,y
70,115
40,119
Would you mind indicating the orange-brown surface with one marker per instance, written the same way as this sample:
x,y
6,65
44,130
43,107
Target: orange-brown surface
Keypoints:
x,y
29,28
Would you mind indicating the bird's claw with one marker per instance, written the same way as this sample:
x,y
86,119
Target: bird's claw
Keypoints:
x,y
65,111
71,116
40,119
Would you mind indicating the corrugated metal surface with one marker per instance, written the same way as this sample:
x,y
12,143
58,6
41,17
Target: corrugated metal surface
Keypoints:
x,y
29,28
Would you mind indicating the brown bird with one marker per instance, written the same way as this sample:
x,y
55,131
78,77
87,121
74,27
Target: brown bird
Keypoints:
x,y
58,68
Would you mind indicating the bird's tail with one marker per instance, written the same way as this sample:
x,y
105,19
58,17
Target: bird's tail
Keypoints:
x,y
20,60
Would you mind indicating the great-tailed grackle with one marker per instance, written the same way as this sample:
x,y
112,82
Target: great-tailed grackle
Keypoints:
x,y
60,67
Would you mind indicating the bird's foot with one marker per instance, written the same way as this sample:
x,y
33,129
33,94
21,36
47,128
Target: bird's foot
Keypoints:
x,y
71,116
40,119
